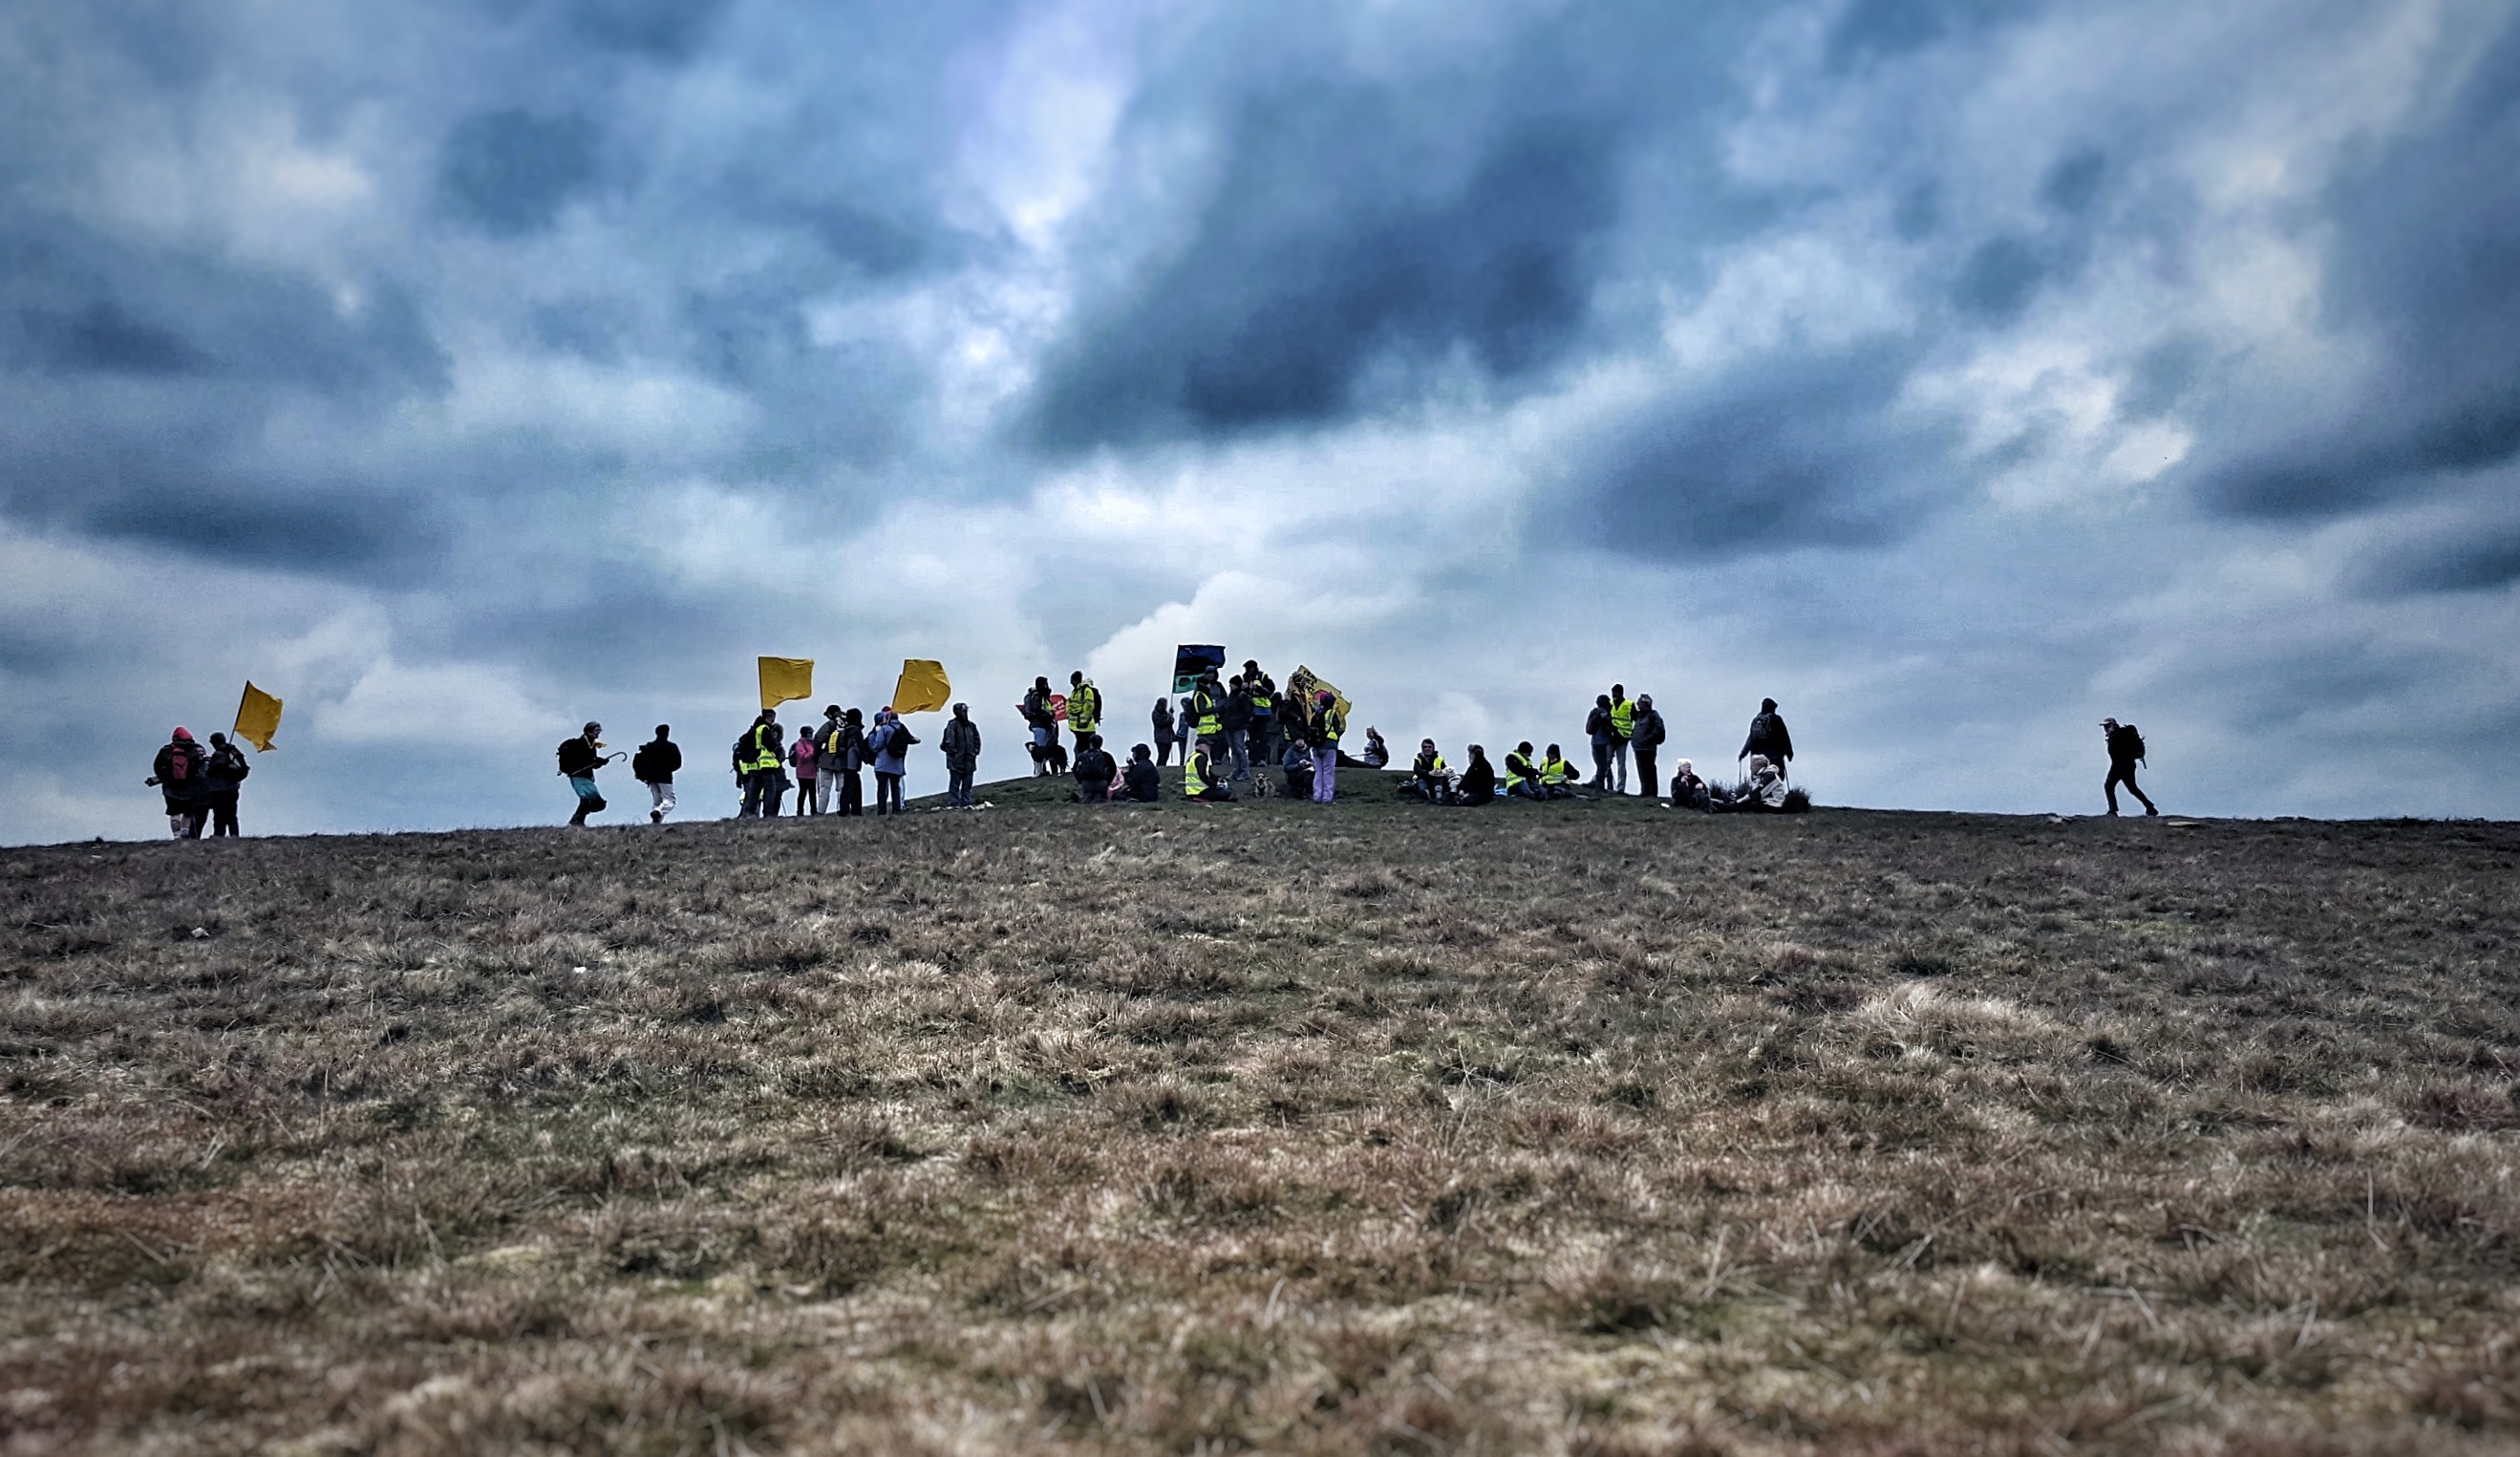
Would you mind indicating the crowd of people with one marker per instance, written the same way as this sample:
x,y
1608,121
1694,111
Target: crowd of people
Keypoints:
x,y
1237,736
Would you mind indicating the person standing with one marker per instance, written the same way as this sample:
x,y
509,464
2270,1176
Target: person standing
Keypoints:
x,y
2126,751
1207,713
655,765
1038,716
1263,695
1328,726
1165,734
1768,738
853,763
220,777
890,740
177,776
1084,708
1644,736
803,755
827,757
1597,726
1623,728
757,765
962,745
1236,719
579,758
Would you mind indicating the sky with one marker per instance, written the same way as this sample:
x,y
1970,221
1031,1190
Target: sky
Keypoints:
x,y
1957,372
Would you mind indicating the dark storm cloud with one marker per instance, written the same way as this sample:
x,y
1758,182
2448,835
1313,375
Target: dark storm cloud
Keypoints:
x,y
1806,451
663,29
2427,267
75,302
509,172
1326,251
2472,556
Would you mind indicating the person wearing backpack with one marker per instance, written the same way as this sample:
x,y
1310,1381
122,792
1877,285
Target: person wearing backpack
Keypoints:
x,y
2126,751
220,777
962,745
758,759
579,758
653,766
177,775
1645,735
891,739
1769,737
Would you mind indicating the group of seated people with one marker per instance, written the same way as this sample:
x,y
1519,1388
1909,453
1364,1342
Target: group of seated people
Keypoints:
x,y
1548,776
1102,779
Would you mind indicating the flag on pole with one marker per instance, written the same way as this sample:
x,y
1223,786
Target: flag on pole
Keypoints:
x,y
785,678
1301,685
1192,662
257,717
923,687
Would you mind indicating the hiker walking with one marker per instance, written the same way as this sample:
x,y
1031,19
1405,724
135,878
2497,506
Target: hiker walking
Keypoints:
x,y
177,775
220,777
1767,737
653,766
579,758
2126,751
962,745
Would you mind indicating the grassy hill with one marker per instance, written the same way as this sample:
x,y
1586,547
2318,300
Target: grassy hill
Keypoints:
x,y
1581,1128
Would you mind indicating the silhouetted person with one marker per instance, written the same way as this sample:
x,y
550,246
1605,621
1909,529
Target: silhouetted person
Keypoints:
x,y
226,770
655,765
962,745
1478,780
1166,736
177,774
2126,751
1597,728
1142,780
1768,738
579,758
1094,770
1644,740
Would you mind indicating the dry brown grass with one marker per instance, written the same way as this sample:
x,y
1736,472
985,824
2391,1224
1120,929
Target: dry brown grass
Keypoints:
x,y
1571,1128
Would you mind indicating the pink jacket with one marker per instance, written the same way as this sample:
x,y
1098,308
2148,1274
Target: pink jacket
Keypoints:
x,y
801,754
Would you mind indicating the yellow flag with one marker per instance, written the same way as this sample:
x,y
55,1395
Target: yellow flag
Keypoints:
x,y
923,687
785,678
1301,685
257,717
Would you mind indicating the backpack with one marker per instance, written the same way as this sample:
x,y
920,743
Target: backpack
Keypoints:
x,y
179,764
2125,742
234,763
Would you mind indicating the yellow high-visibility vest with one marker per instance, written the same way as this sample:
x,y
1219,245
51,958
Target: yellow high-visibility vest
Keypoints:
x,y
1517,772
1623,720
1085,707
766,753
1193,781
1557,771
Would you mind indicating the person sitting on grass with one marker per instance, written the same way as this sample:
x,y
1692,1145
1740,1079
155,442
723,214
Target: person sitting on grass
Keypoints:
x,y
1297,762
1428,778
1478,780
1094,770
1201,779
1140,781
1764,792
1557,778
1521,775
1687,790
1377,755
